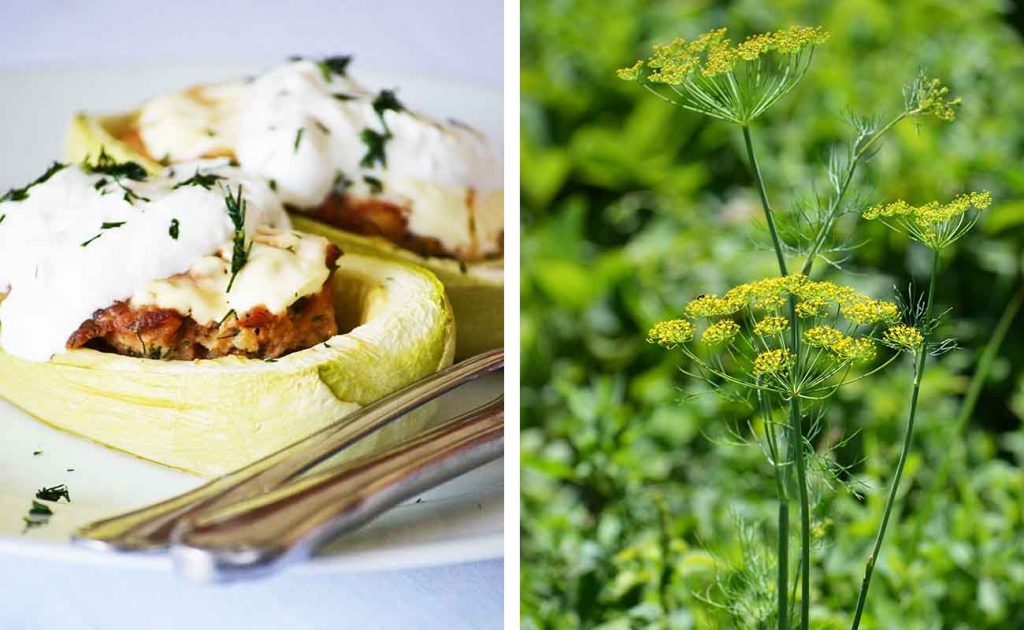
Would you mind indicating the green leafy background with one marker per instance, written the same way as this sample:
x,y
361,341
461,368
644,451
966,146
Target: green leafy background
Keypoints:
x,y
630,207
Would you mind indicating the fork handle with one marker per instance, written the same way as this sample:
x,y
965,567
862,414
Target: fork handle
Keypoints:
x,y
260,535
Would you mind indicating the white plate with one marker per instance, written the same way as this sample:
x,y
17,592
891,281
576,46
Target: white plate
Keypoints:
x,y
457,522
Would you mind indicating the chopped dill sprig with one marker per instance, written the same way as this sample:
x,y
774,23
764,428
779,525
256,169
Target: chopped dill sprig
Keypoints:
x,y
86,243
173,230
111,225
298,139
341,184
322,127
240,254
376,186
339,96
20,194
54,493
226,316
203,180
334,65
2,217
374,142
40,509
107,165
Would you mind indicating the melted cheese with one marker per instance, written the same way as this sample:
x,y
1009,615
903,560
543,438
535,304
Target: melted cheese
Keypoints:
x,y
282,267
79,243
301,130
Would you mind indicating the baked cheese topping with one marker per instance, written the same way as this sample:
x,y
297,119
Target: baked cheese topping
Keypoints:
x,y
282,267
313,132
80,239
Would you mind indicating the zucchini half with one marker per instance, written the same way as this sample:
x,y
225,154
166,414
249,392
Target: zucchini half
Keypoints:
x,y
476,290
213,416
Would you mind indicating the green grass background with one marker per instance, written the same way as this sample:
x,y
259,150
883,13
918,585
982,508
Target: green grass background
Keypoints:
x,y
630,496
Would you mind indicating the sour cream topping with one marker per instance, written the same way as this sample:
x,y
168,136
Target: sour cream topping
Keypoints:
x,y
81,241
306,130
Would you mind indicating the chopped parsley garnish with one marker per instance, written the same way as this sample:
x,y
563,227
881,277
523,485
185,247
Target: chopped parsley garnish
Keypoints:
x,y
20,194
173,231
54,493
338,96
37,452
100,184
298,138
334,65
374,142
203,180
239,254
273,185
376,186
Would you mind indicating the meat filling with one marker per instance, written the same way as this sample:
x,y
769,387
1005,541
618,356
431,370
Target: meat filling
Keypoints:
x,y
159,333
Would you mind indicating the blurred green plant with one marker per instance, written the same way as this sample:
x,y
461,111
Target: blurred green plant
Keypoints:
x,y
630,504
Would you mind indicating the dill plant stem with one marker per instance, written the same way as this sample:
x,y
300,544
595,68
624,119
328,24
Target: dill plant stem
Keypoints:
x,y
796,431
908,437
768,214
782,543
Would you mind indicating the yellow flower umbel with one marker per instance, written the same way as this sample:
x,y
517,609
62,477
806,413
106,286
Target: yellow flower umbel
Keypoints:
x,y
671,333
747,335
731,82
774,362
936,225
903,337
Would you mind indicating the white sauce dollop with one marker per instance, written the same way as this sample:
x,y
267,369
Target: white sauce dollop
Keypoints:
x,y
55,282
296,127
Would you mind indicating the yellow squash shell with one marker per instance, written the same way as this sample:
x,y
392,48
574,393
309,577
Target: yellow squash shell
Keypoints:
x,y
213,416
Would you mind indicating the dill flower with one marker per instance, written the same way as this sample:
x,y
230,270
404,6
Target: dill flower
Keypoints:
x,y
854,349
903,337
934,224
825,337
813,307
731,82
712,306
930,97
771,325
671,333
871,311
777,361
720,332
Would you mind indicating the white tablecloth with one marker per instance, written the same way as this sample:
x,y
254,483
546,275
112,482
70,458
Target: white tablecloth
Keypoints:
x,y
446,38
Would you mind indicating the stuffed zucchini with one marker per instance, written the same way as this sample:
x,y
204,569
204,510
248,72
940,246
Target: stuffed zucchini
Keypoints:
x,y
179,318
356,165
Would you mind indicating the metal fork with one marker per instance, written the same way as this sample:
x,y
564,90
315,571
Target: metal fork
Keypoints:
x,y
411,467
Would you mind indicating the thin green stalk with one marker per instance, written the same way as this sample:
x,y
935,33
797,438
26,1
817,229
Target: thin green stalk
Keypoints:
x,y
796,431
919,366
765,205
